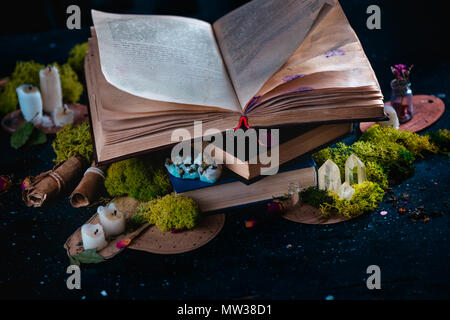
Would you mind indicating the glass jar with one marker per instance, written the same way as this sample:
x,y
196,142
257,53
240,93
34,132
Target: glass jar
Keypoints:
x,y
402,100
294,193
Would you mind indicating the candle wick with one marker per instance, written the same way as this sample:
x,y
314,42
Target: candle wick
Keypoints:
x,y
115,212
96,231
30,87
49,69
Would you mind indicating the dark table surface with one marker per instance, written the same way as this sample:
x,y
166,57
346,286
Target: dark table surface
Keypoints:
x,y
283,260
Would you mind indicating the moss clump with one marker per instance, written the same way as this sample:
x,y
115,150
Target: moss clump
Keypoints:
x,y
76,57
375,173
169,212
27,72
73,140
315,197
441,139
366,198
136,178
413,142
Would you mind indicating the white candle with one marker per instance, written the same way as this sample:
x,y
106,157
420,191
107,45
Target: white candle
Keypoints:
x,y
93,236
63,116
112,220
50,88
30,102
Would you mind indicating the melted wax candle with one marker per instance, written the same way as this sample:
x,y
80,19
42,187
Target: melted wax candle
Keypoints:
x,y
112,220
30,102
50,89
93,236
63,116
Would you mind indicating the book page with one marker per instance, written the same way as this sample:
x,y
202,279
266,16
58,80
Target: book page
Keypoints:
x,y
164,58
258,38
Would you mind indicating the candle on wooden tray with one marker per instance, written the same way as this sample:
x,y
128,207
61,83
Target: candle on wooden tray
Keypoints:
x,y
30,102
93,236
63,116
50,88
112,220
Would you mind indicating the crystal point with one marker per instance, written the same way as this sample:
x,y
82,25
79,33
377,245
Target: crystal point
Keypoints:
x,y
355,170
329,176
346,191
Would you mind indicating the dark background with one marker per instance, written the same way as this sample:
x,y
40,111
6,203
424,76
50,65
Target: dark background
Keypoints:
x,y
283,260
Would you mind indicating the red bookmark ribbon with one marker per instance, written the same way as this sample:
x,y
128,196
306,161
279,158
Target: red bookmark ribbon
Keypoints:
x,y
242,120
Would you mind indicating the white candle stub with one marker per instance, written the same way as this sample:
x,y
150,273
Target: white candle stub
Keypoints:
x,y
30,102
63,116
112,220
50,88
93,236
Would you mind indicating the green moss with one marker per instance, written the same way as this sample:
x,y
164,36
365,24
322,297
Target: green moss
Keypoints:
x,y
136,178
27,72
169,212
413,142
76,57
73,140
366,198
315,197
375,173
441,139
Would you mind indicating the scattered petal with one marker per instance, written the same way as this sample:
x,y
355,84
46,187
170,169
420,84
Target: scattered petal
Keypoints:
x,y
123,243
383,213
250,223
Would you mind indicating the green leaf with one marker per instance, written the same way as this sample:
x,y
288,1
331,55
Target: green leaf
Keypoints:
x,y
87,256
37,137
21,135
74,261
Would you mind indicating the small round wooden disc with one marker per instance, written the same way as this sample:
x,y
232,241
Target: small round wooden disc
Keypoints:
x,y
13,120
427,110
154,240
309,215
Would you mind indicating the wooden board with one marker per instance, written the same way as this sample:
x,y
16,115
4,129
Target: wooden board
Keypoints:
x,y
154,240
427,110
13,120
309,215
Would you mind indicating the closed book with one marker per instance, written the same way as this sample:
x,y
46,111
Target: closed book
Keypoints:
x,y
229,192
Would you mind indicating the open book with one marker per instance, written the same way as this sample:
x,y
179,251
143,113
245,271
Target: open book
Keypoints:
x,y
274,61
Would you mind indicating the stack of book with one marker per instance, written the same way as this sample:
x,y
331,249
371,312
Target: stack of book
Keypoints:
x,y
281,64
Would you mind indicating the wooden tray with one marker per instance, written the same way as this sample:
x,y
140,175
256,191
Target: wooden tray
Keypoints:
x,y
150,238
154,240
427,110
310,215
13,120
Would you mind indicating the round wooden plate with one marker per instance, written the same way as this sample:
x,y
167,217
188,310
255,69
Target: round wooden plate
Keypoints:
x,y
13,120
154,240
427,110
309,215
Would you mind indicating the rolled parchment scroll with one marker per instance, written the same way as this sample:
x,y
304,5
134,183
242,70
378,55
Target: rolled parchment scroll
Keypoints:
x,y
54,184
91,187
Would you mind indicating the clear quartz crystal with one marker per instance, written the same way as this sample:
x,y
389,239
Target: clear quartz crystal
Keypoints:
x,y
346,191
355,170
293,192
329,176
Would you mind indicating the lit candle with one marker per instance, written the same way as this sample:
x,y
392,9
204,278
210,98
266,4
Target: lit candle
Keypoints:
x,y
30,102
63,116
93,236
112,220
50,89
